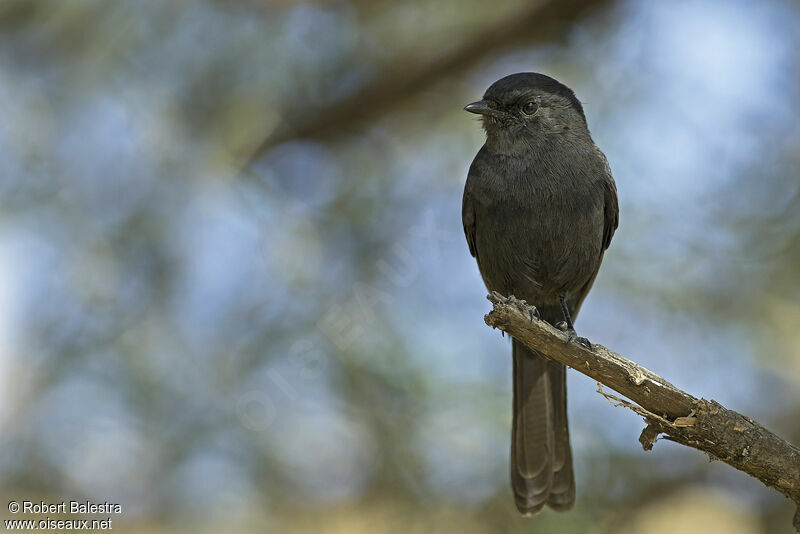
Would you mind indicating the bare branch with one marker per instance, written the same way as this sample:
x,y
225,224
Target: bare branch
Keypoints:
x,y
674,414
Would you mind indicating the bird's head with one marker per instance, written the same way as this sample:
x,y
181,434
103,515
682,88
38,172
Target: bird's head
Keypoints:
x,y
525,106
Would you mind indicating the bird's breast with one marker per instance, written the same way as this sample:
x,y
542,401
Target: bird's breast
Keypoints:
x,y
538,236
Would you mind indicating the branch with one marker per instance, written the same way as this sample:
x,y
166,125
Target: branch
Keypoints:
x,y
705,425
540,21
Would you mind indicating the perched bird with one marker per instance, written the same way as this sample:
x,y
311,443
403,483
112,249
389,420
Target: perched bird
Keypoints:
x,y
539,210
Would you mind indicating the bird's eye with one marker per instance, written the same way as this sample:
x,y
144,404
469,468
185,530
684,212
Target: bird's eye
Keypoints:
x,y
529,108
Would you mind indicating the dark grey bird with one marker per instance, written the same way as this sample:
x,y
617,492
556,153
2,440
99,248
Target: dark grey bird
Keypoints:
x,y
539,210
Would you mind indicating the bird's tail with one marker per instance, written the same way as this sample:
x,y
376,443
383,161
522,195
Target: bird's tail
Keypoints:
x,y
541,456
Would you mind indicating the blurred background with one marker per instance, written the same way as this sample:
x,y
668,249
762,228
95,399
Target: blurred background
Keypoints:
x,y
235,293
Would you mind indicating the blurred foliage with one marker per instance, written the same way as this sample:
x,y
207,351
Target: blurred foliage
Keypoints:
x,y
294,342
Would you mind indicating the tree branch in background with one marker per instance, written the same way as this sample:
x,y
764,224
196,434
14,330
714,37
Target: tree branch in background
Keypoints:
x,y
705,425
539,22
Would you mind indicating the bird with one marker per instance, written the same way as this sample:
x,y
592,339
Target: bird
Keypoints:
x,y
539,211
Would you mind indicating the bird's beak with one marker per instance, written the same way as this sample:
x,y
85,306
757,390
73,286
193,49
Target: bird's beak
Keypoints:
x,y
481,107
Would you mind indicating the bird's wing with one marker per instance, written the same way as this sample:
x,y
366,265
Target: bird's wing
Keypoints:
x,y
468,218
611,211
610,224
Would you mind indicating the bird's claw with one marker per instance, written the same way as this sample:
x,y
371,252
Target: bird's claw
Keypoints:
x,y
573,336
521,305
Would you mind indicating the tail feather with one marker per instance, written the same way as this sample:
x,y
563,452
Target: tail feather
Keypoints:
x,y
541,459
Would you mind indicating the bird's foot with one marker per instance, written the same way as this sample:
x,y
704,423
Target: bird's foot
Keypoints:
x,y
526,309
572,335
